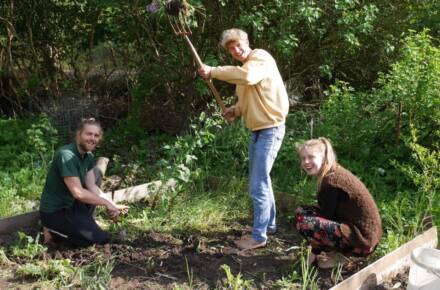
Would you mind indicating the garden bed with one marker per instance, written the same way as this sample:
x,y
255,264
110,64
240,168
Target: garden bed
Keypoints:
x,y
165,260
155,260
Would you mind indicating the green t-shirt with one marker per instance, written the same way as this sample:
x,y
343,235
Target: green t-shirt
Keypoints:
x,y
66,162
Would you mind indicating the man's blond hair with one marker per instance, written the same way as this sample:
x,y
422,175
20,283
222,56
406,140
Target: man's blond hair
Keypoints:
x,y
233,34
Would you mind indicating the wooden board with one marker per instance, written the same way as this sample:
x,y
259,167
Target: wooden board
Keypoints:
x,y
143,191
389,265
131,194
101,165
12,224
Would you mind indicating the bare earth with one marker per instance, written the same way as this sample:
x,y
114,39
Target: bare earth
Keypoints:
x,y
161,261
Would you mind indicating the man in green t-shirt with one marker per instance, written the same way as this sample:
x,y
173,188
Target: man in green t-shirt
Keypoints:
x,y
70,194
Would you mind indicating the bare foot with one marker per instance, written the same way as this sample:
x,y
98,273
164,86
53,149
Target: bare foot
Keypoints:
x,y
330,260
248,243
230,250
48,239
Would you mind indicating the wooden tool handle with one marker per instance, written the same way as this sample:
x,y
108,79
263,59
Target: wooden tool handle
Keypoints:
x,y
208,81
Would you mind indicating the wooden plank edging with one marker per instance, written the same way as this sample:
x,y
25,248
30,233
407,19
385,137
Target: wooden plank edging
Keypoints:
x,y
12,224
143,191
131,194
391,264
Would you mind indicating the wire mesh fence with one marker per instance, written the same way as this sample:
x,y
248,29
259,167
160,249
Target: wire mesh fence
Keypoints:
x,y
67,111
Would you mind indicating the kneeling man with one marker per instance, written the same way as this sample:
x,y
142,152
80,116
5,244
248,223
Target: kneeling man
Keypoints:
x,y
70,194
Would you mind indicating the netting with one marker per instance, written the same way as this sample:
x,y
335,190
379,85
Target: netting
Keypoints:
x,y
66,112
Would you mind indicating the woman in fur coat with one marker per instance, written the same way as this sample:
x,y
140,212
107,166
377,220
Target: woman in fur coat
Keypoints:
x,y
346,220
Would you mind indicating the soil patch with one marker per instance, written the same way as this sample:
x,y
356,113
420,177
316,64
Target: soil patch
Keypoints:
x,y
161,261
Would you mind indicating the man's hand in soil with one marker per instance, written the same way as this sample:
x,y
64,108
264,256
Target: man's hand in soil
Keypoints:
x,y
116,210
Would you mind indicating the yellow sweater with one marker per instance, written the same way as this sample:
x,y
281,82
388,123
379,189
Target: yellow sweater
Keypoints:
x,y
262,97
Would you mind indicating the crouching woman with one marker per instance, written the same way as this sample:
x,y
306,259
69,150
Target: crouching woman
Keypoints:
x,y
346,220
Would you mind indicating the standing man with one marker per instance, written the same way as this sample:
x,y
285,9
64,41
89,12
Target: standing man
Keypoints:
x,y
70,194
263,104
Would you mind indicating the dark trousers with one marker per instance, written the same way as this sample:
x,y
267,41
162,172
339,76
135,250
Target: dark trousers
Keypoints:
x,y
75,225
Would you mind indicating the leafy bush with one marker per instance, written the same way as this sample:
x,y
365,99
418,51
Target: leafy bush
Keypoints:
x,y
105,43
211,148
367,125
27,146
391,130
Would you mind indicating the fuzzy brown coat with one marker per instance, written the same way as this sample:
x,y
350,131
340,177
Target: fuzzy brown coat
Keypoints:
x,y
343,196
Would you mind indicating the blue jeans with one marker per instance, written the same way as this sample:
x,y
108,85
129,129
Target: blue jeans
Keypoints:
x,y
263,149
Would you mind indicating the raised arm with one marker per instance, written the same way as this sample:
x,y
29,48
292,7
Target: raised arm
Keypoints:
x,y
256,68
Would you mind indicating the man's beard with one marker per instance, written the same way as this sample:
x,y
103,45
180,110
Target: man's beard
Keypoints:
x,y
83,147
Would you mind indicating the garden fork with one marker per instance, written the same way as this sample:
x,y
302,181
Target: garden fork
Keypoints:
x,y
176,12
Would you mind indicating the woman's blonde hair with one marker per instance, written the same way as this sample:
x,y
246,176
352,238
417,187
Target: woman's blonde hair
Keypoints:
x,y
329,162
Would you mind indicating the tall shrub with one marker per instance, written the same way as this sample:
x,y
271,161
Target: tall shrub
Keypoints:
x,y
380,121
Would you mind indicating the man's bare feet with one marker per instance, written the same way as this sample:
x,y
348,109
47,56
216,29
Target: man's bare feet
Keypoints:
x,y
48,239
248,243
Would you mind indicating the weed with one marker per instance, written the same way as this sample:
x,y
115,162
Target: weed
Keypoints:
x,y
290,282
4,261
97,275
309,274
28,247
150,264
58,272
235,282
336,274
189,273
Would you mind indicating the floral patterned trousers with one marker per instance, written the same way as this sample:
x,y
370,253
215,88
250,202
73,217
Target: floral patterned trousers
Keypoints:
x,y
322,233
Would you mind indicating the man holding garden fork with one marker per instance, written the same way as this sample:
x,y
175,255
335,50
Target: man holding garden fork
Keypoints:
x,y
70,194
263,104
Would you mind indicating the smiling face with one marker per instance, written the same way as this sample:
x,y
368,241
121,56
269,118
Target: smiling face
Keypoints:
x,y
239,50
88,138
312,159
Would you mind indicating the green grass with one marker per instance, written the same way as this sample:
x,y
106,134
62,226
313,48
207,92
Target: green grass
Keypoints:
x,y
26,147
190,211
210,164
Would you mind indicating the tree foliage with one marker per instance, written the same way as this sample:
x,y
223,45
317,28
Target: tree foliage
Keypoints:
x,y
101,47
